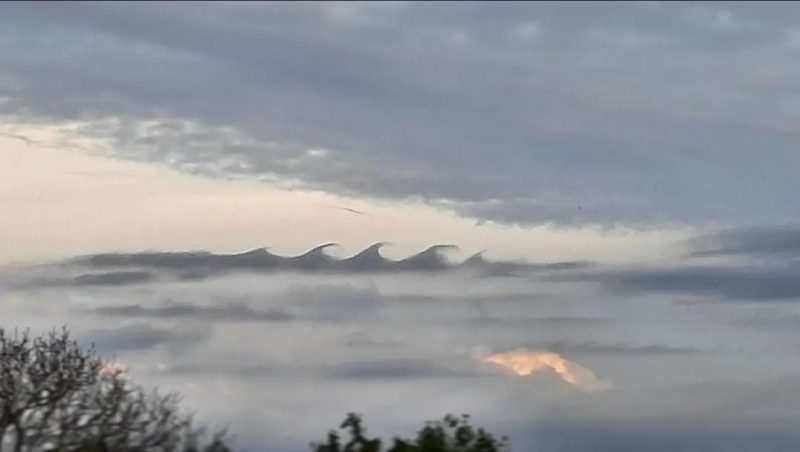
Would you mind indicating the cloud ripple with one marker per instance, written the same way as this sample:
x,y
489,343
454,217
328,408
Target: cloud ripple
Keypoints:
x,y
201,264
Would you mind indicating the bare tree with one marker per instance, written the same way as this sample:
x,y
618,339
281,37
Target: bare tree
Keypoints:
x,y
57,396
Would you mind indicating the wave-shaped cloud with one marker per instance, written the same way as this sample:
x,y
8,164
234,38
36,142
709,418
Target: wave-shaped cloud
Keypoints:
x,y
199,264
117,269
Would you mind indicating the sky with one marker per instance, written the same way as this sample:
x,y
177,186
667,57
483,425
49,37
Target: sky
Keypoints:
x,y
575,221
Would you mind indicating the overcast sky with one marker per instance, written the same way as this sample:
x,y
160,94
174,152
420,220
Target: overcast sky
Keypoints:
x,y
629,171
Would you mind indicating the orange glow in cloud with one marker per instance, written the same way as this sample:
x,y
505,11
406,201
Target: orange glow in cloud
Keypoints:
x,y
524,362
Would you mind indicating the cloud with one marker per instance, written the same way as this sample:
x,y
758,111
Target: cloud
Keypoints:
x,y
657,435
761,265
775,240
238,371
123,269
630,132
396,369
230,312
334,302
366,342
510,268
399,369
565,114
109,279
738,283
774,281
143,336
202,264
369,260
630,350
524,362
112,279
317,303
526,322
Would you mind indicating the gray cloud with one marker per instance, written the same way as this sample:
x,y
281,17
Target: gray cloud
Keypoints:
x,y
570,436
396,369
514,113
362,341
518,269
318,303
203,264
525,322
399,369
724,282
597,348
742,278
111,279
232,312
722,420
776,240
241,371
206,263
414,338
143,336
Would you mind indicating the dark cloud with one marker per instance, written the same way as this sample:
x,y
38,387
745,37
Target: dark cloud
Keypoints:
x,y
202,264
396,369
745,277
525,322
438,102
723,282
726,414
110,279
232,312
520,269
663,436
143,336
597,348
400,369
233,371
777,240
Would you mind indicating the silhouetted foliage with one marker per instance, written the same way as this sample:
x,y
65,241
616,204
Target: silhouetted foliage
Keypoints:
x,y
57,396
451,434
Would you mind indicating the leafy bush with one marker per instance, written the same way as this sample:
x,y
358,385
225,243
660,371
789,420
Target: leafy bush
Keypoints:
x,y
451,434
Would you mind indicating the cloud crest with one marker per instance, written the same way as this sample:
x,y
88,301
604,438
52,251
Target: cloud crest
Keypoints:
x,y
199,264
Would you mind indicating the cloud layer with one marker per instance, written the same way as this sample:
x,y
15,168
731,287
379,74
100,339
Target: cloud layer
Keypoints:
x,y
523,113
315,333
